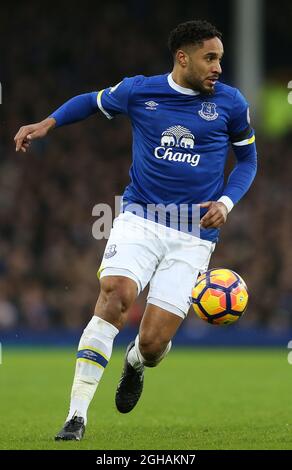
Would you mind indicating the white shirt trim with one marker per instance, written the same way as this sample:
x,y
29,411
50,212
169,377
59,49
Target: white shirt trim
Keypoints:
x,y
99,104
180,89
244,142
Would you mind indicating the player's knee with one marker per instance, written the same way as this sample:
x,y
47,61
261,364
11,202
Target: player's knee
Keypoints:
x,y
151,349
117,293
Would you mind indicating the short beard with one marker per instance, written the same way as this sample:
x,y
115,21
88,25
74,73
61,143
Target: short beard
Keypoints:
x,y
197,85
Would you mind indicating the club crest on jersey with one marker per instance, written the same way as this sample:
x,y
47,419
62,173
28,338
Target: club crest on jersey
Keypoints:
x,y
208,111
110,251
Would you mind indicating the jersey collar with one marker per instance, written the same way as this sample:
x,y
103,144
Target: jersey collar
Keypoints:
x,y
180,89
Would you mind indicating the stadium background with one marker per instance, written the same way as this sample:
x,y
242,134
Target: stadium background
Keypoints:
x,y
48,257
199,398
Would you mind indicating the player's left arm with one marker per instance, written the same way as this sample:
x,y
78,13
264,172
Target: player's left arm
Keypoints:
x,y
240,179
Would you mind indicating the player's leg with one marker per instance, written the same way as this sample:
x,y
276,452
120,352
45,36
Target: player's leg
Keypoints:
x,y
170,291
95,347
157,328
127,266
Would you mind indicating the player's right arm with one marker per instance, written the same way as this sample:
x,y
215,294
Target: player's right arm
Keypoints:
x,y
28,133
76,109
110,101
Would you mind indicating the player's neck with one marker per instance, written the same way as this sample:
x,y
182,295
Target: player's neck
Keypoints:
x,y
178,79
177,82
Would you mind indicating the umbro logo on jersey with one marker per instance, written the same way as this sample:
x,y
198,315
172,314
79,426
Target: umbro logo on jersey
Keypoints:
x,y
151,105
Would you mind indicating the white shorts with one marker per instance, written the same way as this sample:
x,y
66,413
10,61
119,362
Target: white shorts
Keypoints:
x,y
147,252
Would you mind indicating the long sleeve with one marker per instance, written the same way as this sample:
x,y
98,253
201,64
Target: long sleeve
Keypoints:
x,y
243,174
76,109
243,142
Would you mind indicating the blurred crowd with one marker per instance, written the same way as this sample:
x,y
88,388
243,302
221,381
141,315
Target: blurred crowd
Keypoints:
x,y
48,256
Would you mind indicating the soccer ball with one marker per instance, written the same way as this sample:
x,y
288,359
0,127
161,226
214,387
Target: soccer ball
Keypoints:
x,y
220,296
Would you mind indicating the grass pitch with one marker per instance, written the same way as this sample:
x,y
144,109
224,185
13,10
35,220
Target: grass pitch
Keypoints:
x,y
195,399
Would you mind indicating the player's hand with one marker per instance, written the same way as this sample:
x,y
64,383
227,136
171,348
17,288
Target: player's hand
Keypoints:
x,y
216,215
27,134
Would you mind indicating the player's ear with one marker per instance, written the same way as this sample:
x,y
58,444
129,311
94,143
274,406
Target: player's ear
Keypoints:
x,y
182,58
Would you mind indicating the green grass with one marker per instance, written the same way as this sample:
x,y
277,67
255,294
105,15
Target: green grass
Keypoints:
x,y
195,399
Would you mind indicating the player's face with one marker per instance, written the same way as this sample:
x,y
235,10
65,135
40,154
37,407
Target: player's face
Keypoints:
x,y
203,65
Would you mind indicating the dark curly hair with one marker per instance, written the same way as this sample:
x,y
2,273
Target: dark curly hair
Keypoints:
x,y
191,33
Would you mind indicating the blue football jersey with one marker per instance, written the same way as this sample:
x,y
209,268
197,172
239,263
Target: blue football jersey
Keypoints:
x,y
181,139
